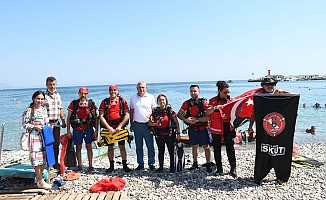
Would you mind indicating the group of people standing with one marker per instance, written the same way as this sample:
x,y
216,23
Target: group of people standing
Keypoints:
x,y
195,112
207,124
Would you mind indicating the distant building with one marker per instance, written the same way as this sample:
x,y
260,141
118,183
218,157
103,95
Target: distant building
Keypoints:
x,y
280,77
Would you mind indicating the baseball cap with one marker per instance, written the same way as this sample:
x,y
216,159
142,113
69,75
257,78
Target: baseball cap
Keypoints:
x,y
83,90
112,87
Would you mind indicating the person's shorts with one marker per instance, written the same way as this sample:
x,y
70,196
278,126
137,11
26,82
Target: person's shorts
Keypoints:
x,y
200,137
122,142
86,135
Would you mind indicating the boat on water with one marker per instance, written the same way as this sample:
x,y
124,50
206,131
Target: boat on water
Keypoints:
x,y
229,81
255,80
290,78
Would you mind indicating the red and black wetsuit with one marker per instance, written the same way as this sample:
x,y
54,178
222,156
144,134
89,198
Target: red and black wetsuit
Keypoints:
x,y
220,127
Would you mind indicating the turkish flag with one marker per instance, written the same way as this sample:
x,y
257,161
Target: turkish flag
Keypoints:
x,y
239,110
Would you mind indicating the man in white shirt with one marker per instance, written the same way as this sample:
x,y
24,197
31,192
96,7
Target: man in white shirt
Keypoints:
x,y
141,106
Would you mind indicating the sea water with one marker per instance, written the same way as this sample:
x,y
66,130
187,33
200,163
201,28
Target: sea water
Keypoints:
x,y
311,92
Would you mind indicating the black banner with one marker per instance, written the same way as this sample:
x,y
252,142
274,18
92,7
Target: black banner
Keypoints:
x,y
275,125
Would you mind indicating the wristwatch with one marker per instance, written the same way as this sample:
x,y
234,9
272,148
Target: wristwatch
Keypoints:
x,y
197,120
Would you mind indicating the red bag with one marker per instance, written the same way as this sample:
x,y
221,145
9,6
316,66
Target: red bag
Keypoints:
x,y
105,185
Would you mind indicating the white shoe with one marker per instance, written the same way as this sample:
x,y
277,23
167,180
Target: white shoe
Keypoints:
x,y
43,184
35,180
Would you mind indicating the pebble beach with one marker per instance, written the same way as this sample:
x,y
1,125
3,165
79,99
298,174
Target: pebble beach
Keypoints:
x,y
308,183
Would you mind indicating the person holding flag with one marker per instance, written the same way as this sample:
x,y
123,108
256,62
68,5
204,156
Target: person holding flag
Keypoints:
x,y
226,114
268,87
275,113
220,128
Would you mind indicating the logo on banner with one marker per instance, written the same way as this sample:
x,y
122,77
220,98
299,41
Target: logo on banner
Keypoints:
x,y
273,150
274,123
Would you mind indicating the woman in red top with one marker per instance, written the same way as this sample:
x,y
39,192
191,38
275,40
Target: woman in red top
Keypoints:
x,y
161,123
219,127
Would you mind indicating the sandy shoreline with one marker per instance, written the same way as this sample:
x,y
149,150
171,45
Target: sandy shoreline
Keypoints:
x,y
198,184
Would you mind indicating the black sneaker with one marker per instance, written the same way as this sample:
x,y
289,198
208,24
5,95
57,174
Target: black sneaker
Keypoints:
x,y
194,166
151,167
91,169
109,170
159,170
211,164
78,169
233,173
127,169
219,172
140,167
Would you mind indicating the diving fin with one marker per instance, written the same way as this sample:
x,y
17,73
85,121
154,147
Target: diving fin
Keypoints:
x,y
108,138
179,157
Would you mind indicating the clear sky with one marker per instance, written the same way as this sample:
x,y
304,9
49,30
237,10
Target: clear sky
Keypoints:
x,y
115,42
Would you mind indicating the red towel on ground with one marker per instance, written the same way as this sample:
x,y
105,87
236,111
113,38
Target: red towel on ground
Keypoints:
x,y
105,185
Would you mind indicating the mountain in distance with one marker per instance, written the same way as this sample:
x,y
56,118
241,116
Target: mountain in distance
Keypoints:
x,y
4,85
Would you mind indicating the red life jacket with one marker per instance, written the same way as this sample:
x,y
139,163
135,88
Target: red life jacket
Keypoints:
x,y
216,120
